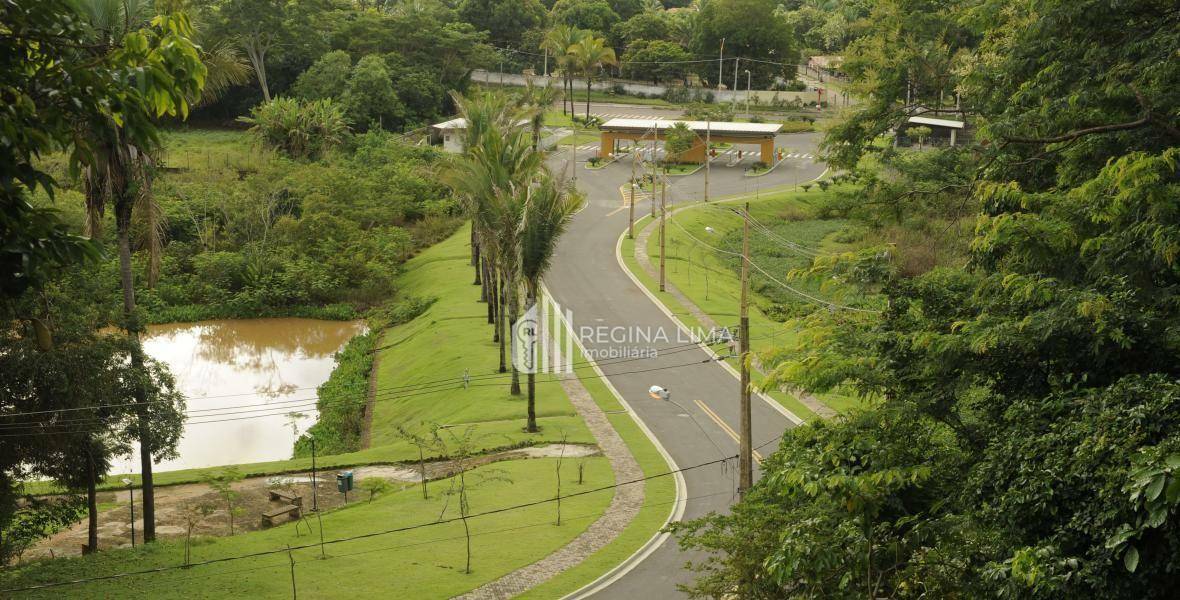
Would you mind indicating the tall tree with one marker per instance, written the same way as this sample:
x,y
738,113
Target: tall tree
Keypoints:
x,y
549,205
590,55
559,41
257,26
504,20
537,100
751,29
167,75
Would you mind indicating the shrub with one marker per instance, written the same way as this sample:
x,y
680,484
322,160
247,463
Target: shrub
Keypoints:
x,y
594,161
761,166
618,89
757,119
326,78
298,129
797,127
806,187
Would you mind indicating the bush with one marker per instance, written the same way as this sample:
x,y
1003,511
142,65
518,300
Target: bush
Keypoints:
x,y
594,161
324,79
797,127
305,130
591,121
618,89
806,187
760,166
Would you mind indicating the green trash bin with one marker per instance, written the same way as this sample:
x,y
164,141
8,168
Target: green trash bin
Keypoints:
x,y
344,482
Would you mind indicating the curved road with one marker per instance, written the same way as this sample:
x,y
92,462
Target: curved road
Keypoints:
x,y
588,280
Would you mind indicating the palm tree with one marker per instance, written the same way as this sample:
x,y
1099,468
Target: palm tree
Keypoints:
x,y
499,158
591,54
559,40
549,205
536,100
119,174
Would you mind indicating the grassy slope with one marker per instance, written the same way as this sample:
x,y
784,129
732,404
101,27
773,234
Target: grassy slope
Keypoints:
x,y
451,336
420,563
723,283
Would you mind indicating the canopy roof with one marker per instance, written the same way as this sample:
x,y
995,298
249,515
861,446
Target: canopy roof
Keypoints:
x,y
718,127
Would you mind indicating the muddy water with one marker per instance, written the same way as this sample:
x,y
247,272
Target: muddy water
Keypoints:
x,y
242,378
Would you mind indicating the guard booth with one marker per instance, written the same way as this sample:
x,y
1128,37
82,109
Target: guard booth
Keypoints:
x,y
647,130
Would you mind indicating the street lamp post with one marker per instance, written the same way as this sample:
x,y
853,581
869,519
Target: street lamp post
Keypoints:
x,y
720,66
131,490
747,92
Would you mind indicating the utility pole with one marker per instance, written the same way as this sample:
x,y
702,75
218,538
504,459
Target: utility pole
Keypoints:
x,y
663,223
653,179
708,157
746,460
635,154
747,92
733,91
720,66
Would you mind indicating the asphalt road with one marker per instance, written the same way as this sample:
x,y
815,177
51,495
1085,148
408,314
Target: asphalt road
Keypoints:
x,y
696,427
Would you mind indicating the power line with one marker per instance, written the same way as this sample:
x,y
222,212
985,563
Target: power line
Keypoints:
x,y
93,425
407,387
371,534
798,292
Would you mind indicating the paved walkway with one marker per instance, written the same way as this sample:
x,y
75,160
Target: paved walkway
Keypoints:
x,y
624,506
706,321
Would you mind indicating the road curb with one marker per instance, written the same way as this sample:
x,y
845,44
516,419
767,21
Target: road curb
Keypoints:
x,y
679,504
792,417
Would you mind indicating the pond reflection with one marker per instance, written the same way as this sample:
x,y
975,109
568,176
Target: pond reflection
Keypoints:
x,y
242,378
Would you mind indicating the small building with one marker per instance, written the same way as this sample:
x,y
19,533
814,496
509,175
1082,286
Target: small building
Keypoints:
x,y
652,130
450,134
943,132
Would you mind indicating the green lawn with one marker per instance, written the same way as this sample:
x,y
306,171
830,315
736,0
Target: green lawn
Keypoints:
x,y
213,149
711,279
426,562
450,337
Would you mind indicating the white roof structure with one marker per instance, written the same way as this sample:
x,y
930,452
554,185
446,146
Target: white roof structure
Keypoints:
x,y
458,123
937,122
720,127
461,123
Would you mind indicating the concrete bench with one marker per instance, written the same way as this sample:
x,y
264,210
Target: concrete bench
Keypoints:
x,y
288,497
269,516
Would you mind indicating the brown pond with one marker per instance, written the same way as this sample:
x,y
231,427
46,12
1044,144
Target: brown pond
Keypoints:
x,y
242,379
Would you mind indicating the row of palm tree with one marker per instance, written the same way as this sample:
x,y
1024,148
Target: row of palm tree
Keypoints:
x,y
518,209
577,50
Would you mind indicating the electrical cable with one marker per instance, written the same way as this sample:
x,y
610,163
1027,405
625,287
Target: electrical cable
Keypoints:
x,y
371,534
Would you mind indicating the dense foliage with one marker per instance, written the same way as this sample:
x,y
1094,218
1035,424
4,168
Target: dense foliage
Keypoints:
x,y
1021,439
284,237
